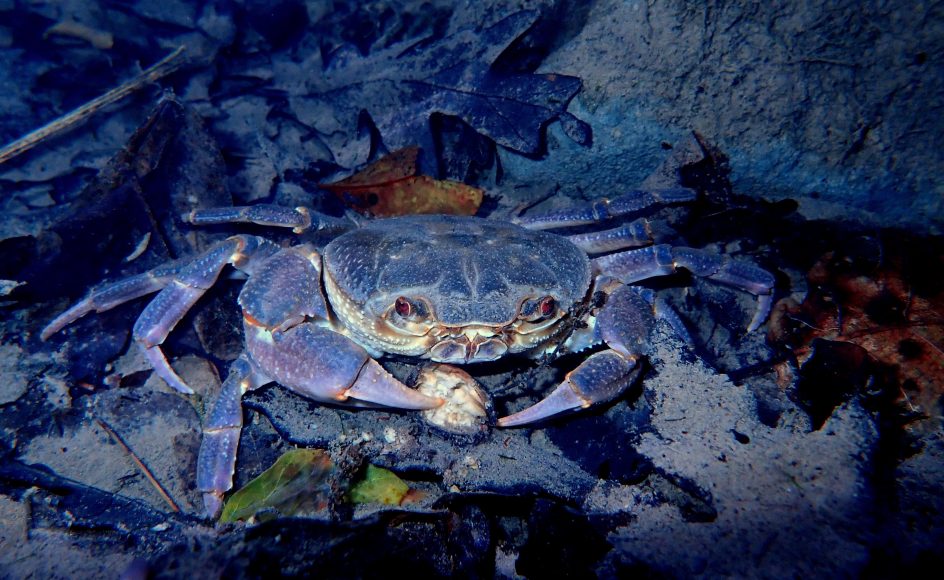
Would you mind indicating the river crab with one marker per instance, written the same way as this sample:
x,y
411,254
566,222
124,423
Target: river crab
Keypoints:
x,y
453,290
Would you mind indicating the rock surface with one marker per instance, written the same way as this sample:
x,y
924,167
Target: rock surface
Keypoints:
x,y
691,472
829,104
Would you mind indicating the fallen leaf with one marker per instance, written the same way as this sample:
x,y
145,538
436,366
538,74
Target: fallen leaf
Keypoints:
x,y
390,187
885,303
401,86
298,482
379,486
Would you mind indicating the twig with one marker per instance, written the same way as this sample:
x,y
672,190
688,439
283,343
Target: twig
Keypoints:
x,y
805,323
526,205
907,399
147,473
928,341
818,60
159,69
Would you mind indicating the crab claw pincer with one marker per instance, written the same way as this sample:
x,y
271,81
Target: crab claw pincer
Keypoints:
x,y
624,323
601,378
325,366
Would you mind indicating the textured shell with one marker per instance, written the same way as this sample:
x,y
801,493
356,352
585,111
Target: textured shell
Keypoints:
x,y
470,270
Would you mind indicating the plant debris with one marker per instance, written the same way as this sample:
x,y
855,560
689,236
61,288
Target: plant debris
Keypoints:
x,y
401,86
391,187
879,300
378,485
156,71
300,482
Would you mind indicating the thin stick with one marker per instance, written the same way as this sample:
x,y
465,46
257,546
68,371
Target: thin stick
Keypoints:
x,y
159,69
147,472
928,341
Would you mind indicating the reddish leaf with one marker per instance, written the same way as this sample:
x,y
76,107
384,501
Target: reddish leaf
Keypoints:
x,y
884,308
390,187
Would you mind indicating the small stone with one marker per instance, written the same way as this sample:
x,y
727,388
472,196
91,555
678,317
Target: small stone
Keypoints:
x,y
15,384
7,286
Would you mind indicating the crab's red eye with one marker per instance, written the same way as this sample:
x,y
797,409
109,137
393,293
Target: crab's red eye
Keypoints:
x,y
547,306
403,306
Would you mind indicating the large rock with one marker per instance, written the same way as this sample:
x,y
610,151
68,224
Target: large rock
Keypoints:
x,y
829,103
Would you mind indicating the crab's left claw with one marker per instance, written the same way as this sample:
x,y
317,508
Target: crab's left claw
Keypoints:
x,y
624,323
600,378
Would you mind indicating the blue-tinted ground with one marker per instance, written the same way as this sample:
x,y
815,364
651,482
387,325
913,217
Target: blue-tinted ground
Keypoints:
x,y
812,446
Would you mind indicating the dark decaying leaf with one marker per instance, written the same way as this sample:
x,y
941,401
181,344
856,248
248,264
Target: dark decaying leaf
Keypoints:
x,y
299,482
61,503
875,306
169,167
390,187
562,542
401,86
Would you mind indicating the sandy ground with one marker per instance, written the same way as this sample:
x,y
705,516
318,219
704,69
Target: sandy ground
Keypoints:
x,y
730,456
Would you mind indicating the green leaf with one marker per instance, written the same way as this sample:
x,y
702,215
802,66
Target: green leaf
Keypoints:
x,y
379,486
298,482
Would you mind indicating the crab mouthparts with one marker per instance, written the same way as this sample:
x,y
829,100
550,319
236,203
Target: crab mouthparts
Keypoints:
x,y
468,346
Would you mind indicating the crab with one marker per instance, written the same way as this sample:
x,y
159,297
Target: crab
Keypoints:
x,y
453,290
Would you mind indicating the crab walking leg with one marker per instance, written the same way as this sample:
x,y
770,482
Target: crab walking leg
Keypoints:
x,y
180,285
624,323
661,310
631,235
300,219
112,295
604,209
216,461
592,334
635,265
665,312
193,280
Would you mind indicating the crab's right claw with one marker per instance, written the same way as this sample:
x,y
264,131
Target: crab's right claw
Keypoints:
x,y
600,378
624,323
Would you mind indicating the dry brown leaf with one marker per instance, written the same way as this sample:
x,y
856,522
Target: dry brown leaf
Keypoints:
x,y
390,187
878,310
